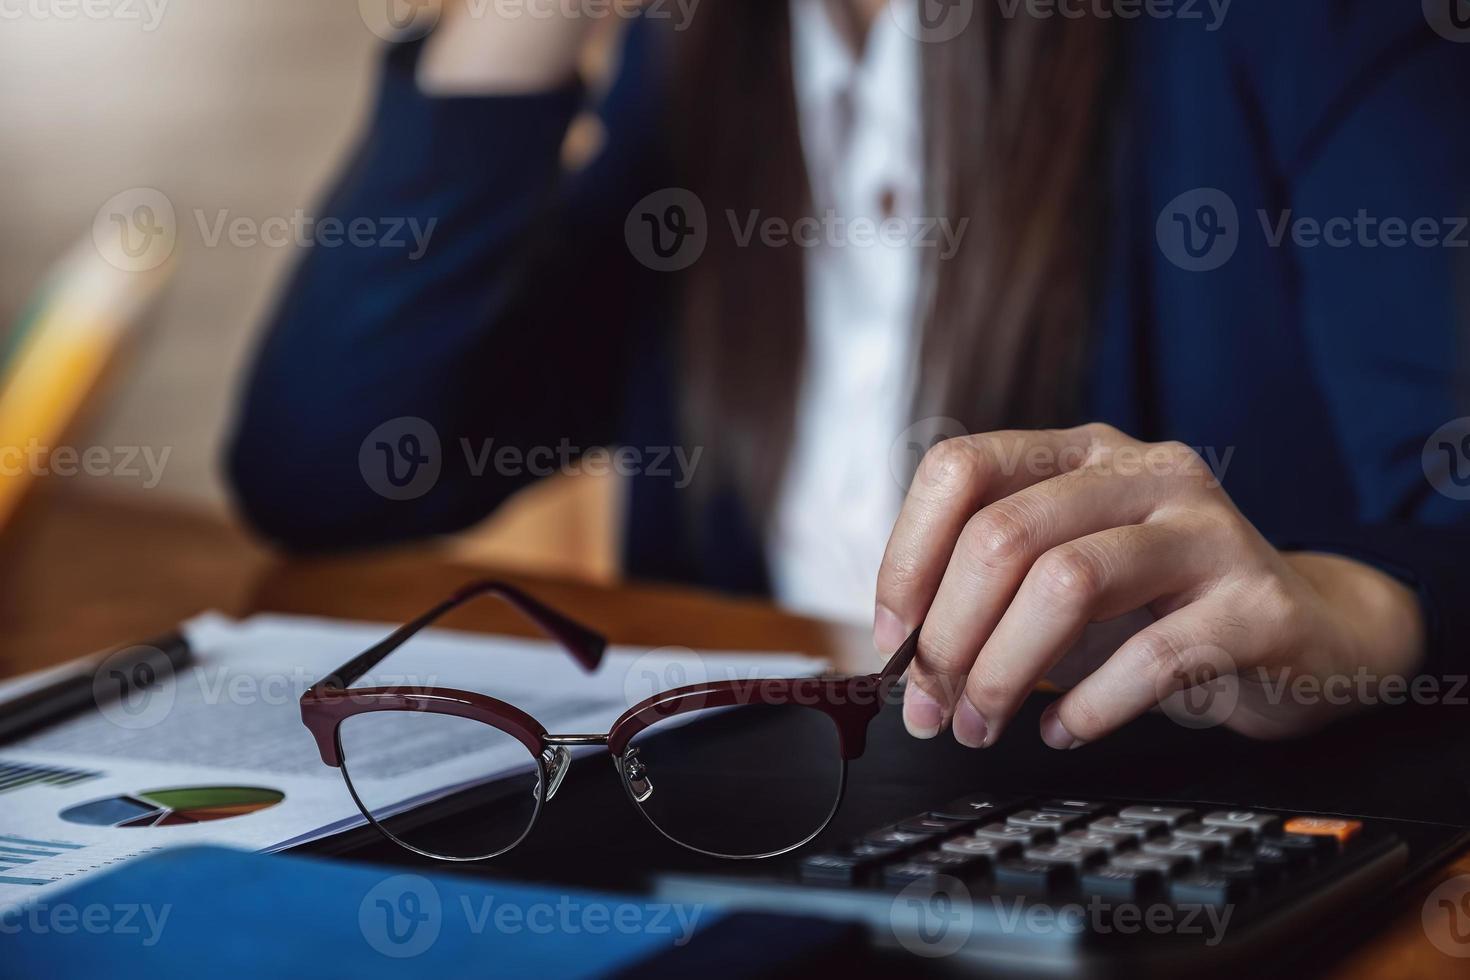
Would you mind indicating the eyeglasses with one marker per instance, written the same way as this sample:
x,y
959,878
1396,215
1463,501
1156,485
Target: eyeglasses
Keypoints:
x,y
763,774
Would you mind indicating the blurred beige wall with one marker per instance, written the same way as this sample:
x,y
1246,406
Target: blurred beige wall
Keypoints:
x,y
238,106
243,107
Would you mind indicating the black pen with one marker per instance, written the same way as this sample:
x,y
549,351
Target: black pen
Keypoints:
x,y
103,678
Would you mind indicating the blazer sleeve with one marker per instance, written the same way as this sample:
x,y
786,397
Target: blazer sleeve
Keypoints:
x,y
393,376
1386,309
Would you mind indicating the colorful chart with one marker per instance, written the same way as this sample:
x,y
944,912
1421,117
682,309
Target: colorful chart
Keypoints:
x,y
19,775
173,807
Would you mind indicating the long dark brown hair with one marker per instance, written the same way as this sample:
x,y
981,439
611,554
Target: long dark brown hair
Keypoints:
x,y
1014,138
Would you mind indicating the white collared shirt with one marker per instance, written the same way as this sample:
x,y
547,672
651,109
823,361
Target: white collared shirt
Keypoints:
x,y
862,139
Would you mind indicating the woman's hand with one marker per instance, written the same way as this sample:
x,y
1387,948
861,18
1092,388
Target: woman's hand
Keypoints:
x,y
1010,544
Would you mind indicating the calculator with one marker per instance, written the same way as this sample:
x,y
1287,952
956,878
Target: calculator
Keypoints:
x,y
1018,884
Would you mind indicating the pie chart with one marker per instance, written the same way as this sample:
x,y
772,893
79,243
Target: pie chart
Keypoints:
x,y
173,807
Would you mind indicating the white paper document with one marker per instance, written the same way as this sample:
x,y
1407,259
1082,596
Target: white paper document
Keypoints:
x,y
218,754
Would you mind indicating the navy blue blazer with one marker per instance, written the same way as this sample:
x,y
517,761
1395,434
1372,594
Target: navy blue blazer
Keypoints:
x,y
1321,366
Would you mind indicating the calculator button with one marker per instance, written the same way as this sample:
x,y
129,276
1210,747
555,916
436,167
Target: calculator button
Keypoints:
x,y
1034,876
1341,831
1020,835
1111,843
897,838
1168,815
980,848
1037,820
977,806
1204,888
1083,808
927,867
1163,864
872,852
1123,884
1193,850
1256,823
1135,830
1070,855
931,826
1226,837
843,868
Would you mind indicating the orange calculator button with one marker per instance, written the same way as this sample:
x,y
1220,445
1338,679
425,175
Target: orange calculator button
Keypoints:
x,y
1343,830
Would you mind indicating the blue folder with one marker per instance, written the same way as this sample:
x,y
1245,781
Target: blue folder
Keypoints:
x,y
204,911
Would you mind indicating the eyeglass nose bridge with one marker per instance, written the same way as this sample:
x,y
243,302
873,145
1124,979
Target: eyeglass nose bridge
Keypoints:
x,y
558,760
635,774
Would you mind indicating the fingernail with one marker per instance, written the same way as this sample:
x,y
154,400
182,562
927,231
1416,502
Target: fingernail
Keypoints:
x,y
888,630
1054,733
922,715
969,725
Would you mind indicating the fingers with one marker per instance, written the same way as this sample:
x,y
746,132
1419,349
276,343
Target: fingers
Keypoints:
x,y
1092,579
1200,642
955,480
996,550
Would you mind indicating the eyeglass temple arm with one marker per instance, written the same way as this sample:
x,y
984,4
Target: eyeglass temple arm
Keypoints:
x,y
585,646
902,657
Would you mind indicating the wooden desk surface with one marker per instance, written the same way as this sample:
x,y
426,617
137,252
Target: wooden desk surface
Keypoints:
x,y
80,573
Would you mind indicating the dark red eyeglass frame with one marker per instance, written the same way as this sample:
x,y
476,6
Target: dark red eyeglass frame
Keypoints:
x,y
850,701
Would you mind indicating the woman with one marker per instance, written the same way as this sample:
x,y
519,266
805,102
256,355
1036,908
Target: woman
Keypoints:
x,y
1127,273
